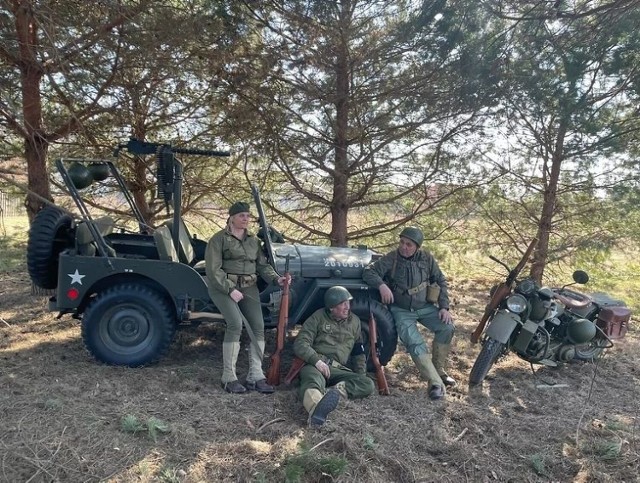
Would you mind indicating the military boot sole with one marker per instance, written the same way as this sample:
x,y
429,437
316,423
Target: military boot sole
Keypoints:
x,y
327,404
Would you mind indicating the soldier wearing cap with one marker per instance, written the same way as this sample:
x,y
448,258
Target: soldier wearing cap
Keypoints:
x,y
326,341
414,287
234,259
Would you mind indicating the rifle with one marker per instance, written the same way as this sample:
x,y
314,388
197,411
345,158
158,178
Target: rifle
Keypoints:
x,y
381,379
294,370
273,375
501,292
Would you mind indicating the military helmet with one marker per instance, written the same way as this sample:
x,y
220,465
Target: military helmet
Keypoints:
x,y
80,176
581,331
99,171
414,234
336,295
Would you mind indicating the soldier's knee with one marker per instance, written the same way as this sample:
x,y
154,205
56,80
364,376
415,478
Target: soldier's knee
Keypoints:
x,y
445,335
232,332
370,387
416,350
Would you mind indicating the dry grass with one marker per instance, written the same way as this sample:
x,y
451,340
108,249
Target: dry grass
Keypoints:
x,y
63,417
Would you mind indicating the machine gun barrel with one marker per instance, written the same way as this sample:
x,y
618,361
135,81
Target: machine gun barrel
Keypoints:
x,y
137,146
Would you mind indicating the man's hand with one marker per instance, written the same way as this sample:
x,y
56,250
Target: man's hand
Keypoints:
x,y
236,295
282,279
445,316
323,368
386,295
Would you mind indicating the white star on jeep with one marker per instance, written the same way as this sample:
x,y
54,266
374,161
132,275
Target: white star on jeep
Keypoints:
x,y
76,277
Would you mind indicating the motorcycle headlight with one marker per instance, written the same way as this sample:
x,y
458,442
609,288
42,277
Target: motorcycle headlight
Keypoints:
x,y
517,304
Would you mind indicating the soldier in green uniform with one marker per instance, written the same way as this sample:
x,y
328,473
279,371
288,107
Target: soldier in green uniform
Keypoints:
x,y
234,259
410,281
325,342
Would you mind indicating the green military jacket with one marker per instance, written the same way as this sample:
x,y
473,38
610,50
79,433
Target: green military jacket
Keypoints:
x,y
226,254
408,273
322,337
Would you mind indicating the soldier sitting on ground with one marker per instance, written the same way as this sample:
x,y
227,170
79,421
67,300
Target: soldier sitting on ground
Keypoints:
x,y
324,343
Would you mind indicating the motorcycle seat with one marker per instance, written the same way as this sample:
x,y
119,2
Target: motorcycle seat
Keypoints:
x,y
573,303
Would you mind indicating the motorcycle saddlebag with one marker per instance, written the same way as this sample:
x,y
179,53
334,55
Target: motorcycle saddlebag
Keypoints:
x,y
614,321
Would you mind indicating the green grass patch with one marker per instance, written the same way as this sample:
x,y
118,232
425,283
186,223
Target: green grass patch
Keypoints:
x,y
13,242
538,464
153,426
607,450
304,465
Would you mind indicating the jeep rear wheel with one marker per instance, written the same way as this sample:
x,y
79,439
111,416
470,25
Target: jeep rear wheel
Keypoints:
x,y
128,325
386,328
49,235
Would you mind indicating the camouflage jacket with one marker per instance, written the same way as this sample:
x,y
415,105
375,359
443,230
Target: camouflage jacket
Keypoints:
x,y
404,274
322,337
226,254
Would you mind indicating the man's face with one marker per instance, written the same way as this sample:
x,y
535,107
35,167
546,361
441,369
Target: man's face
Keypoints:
x,y
341,311
406,247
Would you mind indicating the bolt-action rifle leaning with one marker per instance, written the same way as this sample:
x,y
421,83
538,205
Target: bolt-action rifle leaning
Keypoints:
x,y
503,290
381,379
273,375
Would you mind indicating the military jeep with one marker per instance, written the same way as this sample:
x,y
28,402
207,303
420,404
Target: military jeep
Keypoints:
x,y
133,289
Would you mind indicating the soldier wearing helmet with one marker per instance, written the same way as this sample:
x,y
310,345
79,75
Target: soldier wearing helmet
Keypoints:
x,y
326,341
414,287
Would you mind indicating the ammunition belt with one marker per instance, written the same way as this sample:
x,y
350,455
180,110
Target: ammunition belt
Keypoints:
x,y
417,288
333,363
243,281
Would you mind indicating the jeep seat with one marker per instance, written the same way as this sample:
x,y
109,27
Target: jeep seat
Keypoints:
x,y
185,250
85,242
164,244
186,254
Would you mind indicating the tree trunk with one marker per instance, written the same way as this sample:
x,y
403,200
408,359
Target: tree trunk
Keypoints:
x,y
35,142
550,177
339,203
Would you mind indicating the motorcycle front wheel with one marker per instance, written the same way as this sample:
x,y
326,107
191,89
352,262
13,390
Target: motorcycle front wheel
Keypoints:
x,y
489,353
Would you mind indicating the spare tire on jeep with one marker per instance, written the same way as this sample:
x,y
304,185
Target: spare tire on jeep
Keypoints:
x,y
387,334
49,235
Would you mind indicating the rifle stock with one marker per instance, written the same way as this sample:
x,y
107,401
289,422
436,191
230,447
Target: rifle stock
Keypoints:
x,y
501,292
294,370
273,375
381,379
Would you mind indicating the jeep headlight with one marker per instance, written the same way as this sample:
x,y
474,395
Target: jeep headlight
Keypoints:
x,y
517,304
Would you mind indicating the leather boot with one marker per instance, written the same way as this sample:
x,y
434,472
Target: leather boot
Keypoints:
x,y
440,356
230,351
255,365
319,406
429,373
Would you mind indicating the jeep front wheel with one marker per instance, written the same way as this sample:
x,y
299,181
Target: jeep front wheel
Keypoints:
x,y
386,328
128,325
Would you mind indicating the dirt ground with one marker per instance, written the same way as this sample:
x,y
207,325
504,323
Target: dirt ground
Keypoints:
x,y
64,417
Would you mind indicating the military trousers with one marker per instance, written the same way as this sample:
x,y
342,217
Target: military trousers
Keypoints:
x,y
406,325
356,385
232,312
